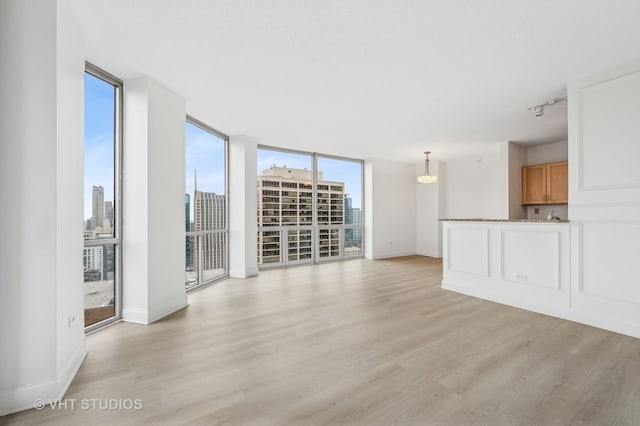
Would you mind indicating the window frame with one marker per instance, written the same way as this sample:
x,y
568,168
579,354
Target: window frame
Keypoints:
x,y
116,240
225,231
315,227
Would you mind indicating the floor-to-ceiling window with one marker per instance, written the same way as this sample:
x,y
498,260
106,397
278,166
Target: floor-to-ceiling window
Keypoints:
x,y
205,205
102,236
285,208
309,207
339,208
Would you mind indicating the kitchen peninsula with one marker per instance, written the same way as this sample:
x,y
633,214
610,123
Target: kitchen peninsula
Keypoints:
x,y
520,262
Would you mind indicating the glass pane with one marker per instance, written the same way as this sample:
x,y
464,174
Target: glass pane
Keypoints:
x,y
191,276
99,285
205,180
340,199
353,242
299,245
99,158
328,243
212,254
268,247
205,206
99,198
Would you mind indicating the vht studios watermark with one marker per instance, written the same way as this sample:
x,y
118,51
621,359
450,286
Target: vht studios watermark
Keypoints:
x,y
111,404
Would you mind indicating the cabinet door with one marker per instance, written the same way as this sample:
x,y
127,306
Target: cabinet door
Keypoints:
x,y
534,184
557,183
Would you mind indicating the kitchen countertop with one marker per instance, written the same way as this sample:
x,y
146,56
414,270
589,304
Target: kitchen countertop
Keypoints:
x,y
505,220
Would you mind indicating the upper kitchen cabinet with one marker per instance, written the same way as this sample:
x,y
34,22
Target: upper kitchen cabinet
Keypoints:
x,y
545,184
534,184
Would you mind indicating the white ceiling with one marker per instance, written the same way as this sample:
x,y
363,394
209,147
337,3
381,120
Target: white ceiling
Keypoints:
x,y
366,78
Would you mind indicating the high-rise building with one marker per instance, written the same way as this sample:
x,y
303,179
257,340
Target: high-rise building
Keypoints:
x,y
209,214
356,213
187,228
108,213
97,212
93,260
285,198
348,219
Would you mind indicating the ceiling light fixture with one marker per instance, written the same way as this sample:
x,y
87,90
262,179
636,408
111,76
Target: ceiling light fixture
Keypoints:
x,y
427,177
538,110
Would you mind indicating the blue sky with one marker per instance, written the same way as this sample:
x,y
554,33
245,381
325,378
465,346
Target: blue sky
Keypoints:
x,y
204,153
99,155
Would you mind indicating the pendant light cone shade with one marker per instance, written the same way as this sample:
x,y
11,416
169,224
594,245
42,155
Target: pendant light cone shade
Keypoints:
x,y
427,177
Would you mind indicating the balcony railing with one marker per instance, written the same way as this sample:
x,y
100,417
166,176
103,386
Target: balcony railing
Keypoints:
x,y
206,259
330,242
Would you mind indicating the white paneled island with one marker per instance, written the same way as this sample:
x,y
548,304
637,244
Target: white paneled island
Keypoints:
x,y
521,263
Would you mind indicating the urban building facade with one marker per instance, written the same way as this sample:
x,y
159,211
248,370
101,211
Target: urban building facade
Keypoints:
x,y
207,250
97,204
285,199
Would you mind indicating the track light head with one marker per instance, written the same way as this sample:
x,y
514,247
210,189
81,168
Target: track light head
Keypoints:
x,y
538,110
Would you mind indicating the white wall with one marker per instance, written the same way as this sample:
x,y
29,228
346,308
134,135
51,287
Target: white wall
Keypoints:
x,y
429,211
478,186
69,197
548,153
41,63
517,159
153,206
390,209
243,220
167,119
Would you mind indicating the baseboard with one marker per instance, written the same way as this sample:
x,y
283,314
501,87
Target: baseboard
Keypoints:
x,y
23,397
428,254
389,255
243,273
138,316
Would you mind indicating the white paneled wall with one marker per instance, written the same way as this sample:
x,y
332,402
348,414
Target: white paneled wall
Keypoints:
x,y
604,190
520,264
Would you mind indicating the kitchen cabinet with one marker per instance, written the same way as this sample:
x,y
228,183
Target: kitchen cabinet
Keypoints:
x,y
545,183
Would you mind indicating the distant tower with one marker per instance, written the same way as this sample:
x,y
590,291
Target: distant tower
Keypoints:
x,y
108,212
187,227
356,213
348,220
209,214
97,216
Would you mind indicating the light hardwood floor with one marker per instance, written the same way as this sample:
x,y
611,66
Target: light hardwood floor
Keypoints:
x,y
358,342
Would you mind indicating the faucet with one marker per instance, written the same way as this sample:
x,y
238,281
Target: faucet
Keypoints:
x,y
552,217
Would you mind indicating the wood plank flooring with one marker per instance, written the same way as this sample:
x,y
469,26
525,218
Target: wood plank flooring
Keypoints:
x,y
358,342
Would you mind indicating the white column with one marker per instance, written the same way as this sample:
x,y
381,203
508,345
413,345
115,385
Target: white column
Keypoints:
x,y
153,205
243,227
41,132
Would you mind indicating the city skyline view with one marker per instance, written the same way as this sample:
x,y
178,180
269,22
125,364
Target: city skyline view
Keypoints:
x,y
204,157
99,132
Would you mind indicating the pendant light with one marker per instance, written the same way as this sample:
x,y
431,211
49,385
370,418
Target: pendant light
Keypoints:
x,y
427,177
